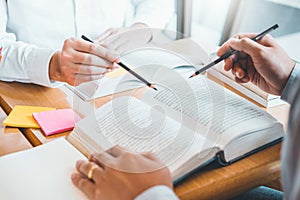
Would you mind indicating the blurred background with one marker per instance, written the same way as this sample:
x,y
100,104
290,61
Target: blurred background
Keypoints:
x,y
211,22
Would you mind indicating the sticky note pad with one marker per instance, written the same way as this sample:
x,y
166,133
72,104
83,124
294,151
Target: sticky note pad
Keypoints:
x,y
21,116
55,121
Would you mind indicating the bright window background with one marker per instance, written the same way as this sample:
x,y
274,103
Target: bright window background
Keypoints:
x,y
208,20
213,21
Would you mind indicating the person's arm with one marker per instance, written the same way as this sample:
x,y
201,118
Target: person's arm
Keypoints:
x,y
21,62
154,13
78,61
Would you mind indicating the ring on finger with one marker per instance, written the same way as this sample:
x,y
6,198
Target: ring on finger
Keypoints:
x,y
90,173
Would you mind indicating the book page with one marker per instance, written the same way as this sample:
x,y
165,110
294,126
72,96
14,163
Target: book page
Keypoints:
x,y
209,109
43,172
132,124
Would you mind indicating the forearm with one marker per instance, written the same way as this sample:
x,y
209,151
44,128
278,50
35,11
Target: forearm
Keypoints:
x,y
21,62
24,62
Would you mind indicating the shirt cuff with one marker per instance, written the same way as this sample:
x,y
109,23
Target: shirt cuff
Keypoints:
x,y
160,192
289,92
38,70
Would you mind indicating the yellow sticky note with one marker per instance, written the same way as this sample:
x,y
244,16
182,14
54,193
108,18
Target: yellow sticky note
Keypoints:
x,y
21,116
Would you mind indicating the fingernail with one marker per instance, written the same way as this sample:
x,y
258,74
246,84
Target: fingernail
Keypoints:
x,y
236,74
92,158
117,60
239,75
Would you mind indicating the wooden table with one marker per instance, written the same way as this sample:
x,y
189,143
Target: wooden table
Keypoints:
x,y
35,95
12,94
11,139
212,182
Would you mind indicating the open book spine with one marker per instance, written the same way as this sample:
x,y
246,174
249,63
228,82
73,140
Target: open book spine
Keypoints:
x,y
196,163
192,171
220,157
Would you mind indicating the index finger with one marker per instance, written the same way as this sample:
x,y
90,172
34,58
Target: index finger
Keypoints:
x,y
103,52
103,159
95,49
116,151
226,47
151,156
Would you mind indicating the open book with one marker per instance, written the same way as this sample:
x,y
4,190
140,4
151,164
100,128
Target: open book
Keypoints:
x,y
187,123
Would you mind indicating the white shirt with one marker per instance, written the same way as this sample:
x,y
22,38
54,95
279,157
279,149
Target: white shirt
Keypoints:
x,y
31,30
157,192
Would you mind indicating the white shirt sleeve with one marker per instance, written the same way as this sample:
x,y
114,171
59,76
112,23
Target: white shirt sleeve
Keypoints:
x,y
154,13
27,47
20,61
289,92
160,192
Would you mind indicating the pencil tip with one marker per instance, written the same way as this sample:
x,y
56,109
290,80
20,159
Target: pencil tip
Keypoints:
x,y
192,75
153,87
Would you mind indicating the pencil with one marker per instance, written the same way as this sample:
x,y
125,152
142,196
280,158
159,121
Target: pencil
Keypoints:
x,y
127,68
230,53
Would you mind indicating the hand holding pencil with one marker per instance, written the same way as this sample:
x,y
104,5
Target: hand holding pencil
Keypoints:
x,y
80,61
232,51
263,63
127,68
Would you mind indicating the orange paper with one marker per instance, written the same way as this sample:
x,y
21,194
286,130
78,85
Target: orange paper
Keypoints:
x,y
21,116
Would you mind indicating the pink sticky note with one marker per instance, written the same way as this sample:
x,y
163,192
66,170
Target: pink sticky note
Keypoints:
x,y
55,121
